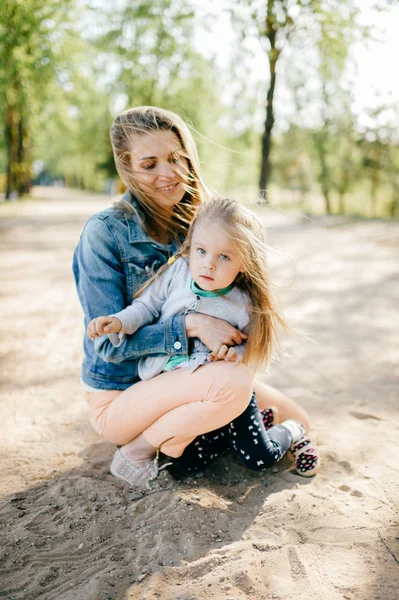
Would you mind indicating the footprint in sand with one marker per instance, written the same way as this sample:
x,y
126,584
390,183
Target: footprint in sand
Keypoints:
x,y
346,488
362,416
297,568
346,466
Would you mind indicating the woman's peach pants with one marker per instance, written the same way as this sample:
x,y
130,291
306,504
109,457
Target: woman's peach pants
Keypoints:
x,y
173,408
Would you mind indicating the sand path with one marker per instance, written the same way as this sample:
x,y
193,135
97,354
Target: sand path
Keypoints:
x,y
69,531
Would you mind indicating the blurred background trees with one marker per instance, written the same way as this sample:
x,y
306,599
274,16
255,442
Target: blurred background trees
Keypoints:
x,y
28,41
276,121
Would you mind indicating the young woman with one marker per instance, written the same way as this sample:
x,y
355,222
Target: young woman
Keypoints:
x,y
119,249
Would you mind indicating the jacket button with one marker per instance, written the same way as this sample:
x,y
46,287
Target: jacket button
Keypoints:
x,y
177,345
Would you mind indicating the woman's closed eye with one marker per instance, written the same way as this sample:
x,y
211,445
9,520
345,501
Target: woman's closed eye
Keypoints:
x,y
177,157
148,166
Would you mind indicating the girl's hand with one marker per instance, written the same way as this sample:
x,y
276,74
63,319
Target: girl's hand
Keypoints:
x,y
97,327
225,353
214,333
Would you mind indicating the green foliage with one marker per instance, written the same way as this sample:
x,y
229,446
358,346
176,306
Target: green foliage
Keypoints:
x,y
71,136
148,45
140,54
27,37
310,41
66,68
293,161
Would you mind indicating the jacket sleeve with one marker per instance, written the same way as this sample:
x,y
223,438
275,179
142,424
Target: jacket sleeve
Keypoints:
x,y
101,286
146,308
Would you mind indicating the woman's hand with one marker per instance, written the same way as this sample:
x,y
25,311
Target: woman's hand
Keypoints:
x,y
218,335
97,327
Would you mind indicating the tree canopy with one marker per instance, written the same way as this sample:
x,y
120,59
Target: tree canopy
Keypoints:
x,y
67,67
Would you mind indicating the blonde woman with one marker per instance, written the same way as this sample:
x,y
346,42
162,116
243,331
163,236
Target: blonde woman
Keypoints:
x,y
120,248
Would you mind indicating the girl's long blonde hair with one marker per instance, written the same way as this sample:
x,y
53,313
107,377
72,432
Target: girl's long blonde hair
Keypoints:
x,y
246,232
154,218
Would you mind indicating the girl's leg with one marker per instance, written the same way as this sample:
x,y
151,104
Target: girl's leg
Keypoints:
x,y
268,396
303,452
173,408
202,451
256,447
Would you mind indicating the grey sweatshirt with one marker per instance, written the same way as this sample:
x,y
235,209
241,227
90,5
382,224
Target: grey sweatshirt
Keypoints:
x,y
171,295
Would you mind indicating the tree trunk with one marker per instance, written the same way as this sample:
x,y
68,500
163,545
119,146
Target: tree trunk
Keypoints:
x,y
375,177
10,135
320,139
267,135
344,184
16,137
341,202
24,181
273,54
326,194
394,206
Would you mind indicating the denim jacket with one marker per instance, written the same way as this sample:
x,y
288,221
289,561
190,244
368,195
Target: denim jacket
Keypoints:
x,y
112,260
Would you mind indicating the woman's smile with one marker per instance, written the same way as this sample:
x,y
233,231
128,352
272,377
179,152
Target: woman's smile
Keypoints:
x,y
166,189
160,167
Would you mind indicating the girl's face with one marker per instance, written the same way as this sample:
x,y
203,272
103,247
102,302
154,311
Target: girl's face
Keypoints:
x,y
214,260
159,166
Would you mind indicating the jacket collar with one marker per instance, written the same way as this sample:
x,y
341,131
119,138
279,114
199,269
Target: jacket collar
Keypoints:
x,y
136,233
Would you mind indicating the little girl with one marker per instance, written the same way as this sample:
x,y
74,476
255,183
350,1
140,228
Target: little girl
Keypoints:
x,y
220,270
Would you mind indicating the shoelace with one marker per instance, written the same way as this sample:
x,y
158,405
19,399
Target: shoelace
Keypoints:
x,y
156,468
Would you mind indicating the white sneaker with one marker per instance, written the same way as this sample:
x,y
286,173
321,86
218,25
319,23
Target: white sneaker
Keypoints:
x,y
137,477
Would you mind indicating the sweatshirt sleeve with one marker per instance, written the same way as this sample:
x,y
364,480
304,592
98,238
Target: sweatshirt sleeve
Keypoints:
x,y
146,308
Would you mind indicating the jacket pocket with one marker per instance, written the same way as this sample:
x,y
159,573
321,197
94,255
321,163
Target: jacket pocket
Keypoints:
x,y
135,277
137,274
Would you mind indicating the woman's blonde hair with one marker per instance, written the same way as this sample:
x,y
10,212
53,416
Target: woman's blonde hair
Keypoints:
x,y
247,233
155,219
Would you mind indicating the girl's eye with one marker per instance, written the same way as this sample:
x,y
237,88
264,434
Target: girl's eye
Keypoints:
x,y
149,166
174,159
201,251
224,257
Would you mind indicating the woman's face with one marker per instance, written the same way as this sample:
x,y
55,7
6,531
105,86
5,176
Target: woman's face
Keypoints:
x,y
159,166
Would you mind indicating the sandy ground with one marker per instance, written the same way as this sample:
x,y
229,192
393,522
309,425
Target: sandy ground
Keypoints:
x,y
69,531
